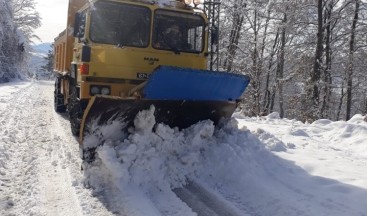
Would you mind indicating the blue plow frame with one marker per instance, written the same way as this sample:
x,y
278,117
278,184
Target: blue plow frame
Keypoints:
x,y
174,83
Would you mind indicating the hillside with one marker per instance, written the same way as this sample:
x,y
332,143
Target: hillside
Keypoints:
x,y
37,60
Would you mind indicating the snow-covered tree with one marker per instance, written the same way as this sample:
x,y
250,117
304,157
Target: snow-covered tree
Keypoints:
x,y
18,19
10,47
298,55
48,67
26,17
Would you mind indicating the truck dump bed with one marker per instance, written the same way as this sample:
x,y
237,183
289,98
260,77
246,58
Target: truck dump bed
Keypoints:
x,y
63,46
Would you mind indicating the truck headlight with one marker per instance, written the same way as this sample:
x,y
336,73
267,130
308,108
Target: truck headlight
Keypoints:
x,y
105,91
94,90
99,89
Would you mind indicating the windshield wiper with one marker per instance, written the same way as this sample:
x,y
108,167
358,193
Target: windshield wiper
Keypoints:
x,y
120,45
175,50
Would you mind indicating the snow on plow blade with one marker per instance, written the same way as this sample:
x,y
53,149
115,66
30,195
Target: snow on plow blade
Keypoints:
x,y
181,97
175,113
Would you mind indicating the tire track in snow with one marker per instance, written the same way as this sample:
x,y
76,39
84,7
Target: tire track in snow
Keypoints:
x,y
18,163
67,149
35,175
203,202
58,195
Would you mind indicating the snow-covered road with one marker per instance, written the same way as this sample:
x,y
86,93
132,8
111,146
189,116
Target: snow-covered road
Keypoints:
x,y
39,158
252,166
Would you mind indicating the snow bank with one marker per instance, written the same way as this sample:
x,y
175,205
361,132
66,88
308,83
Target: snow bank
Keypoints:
x,y
321,173
141,169
350,134
163,156
152,160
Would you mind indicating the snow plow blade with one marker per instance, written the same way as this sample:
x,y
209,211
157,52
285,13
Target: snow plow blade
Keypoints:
x,y
103,110
175,113
181,97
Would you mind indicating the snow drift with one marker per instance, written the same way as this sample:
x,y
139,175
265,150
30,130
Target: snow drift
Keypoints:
x,y
241,167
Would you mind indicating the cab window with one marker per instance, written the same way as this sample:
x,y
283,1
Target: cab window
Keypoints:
x,y
178,31
120,24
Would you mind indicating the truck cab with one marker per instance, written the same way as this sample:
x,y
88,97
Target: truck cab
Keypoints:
x,y
110,47
117,44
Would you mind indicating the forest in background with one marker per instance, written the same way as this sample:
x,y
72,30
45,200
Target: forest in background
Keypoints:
x,y
306,58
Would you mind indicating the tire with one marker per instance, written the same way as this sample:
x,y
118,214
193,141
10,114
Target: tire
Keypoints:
x,y
59,105
75,111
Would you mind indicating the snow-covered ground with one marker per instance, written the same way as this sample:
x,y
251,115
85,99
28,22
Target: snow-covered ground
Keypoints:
x,y
39,158
250,166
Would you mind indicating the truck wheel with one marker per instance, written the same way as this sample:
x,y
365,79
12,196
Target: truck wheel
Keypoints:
x,y
59,105
75,112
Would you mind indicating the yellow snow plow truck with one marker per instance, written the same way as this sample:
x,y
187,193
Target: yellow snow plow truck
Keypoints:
x,y
118,57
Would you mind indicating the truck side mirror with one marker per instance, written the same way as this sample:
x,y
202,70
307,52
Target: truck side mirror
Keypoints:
x,y
214,35
79,25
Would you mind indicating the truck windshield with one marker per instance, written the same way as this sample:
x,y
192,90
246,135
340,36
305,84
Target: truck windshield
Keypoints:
x,y
179,32
120,24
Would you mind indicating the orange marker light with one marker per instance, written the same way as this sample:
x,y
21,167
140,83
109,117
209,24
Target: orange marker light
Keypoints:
x,y
84,69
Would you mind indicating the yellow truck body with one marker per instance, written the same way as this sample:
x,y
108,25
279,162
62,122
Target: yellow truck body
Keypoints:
x,y
119,68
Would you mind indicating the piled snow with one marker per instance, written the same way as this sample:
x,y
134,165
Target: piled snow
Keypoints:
x,y
270,171
151,161
321,173
271,142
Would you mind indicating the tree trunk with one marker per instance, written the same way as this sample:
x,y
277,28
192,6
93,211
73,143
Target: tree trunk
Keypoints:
x,y
256,77
313,89
234,37
351,59
325,107
267,98
280,67
261,63
365,106
340,102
